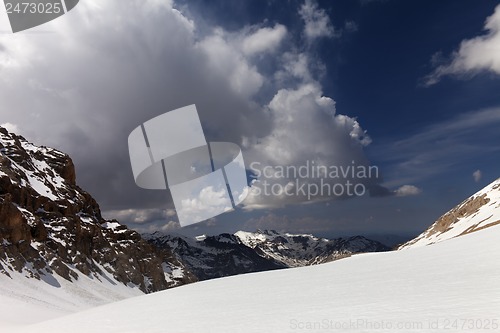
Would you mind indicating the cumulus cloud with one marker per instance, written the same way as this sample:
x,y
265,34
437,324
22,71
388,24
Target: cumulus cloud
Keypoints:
x,y
209,202
170,226
140,216
10,127
474,55
477,175
264,39
244,78
295,66
316,20
306,132
107,67
407,190
377,190
311,116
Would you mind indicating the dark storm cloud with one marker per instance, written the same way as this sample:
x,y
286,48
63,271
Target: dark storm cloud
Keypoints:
x,y
108,67
99,76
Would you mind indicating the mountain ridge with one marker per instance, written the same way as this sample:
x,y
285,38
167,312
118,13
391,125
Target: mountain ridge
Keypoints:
x,y
52,232
50,228
245,252
481,210
49,225
424,289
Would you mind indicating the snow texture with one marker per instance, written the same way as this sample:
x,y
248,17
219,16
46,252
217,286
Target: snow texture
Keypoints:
x,y
421,289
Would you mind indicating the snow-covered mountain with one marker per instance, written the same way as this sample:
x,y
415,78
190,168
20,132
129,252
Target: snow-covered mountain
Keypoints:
x,y
452,286
59,256
51,229
246,252
295,250
213,256
58,252
480,211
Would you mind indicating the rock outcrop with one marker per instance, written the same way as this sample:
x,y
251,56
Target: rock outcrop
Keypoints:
x,y
478,212
49,225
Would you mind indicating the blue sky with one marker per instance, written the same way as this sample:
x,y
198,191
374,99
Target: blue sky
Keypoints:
x,y
408,86
376,73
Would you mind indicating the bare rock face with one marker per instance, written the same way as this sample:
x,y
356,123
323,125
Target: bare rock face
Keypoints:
x,y
49,225
478,212
467,208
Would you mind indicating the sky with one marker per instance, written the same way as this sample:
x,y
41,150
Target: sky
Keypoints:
x,y
409,88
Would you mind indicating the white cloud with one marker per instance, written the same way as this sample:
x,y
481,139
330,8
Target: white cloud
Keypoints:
x,y
311,118
139,216
316,20
264,39
170,212
407,190
108,66
305,128
477,175
229,61
474,55
209,202
10,127
208,197
295,66
170,226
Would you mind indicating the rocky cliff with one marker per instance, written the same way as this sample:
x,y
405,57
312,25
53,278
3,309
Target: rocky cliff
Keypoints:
x,y
49,225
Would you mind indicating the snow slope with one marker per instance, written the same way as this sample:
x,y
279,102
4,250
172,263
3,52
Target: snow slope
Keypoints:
x,y
451,286
481,210
25,301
